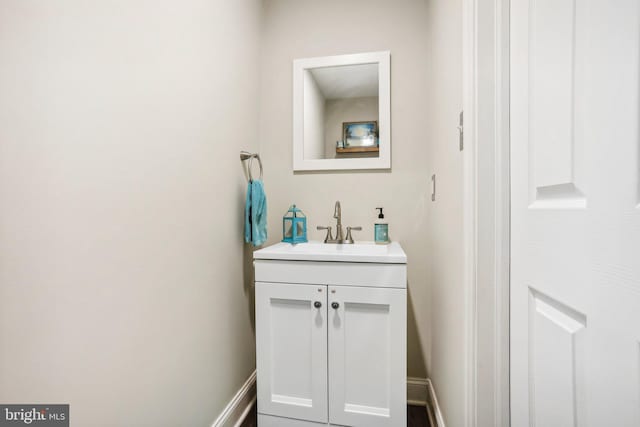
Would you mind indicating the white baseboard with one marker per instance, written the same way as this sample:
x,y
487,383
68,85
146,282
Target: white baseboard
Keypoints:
x,y
433,408
420,392
236,411
417,391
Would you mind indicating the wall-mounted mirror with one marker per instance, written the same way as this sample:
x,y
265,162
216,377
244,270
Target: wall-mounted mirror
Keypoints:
x,y
342,112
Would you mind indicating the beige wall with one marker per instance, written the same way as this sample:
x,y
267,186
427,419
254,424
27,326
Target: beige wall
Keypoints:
x,y
308,28
124,282
445,252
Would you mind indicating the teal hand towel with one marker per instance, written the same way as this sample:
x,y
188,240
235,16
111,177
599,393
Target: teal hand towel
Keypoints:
x,y
255,214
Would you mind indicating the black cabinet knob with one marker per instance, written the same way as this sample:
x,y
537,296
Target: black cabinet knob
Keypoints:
x,y
335,305
317,304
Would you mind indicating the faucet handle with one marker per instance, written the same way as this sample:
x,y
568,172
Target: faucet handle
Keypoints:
x,y
349,239
329,236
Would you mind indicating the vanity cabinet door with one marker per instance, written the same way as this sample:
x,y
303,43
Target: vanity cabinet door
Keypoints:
x,y
367,356
291,337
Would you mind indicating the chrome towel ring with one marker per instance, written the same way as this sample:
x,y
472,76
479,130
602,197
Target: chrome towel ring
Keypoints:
x,y
245,155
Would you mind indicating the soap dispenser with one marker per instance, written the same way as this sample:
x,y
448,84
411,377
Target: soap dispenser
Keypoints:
x,y
381,230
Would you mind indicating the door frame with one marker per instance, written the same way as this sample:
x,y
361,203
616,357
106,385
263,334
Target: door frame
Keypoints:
x,y
486,216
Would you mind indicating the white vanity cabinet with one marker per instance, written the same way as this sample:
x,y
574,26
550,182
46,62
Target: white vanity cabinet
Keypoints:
x,y
331,338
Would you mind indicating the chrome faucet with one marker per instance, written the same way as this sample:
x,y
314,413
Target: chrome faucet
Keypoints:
x,y
337,214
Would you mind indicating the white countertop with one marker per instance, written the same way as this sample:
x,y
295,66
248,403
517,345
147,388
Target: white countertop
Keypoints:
x,y
391,253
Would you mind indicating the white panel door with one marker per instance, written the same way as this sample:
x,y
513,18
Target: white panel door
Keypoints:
x,y
575,207
291,338
367,356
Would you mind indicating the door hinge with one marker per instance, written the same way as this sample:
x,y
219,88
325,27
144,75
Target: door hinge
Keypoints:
x,y
461,130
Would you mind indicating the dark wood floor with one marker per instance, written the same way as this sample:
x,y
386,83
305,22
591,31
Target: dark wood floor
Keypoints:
x,y
416,417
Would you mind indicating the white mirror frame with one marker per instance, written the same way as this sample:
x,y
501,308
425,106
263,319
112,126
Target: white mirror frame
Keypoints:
x,y
384,114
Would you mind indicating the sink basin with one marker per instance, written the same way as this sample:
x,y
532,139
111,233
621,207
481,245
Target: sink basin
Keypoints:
x,y
318,251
